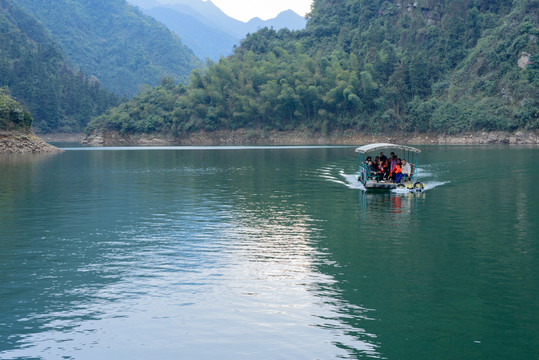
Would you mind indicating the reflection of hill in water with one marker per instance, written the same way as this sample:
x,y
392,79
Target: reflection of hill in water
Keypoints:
x,y
381,204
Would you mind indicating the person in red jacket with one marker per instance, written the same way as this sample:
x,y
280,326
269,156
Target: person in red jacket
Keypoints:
x,y
396,172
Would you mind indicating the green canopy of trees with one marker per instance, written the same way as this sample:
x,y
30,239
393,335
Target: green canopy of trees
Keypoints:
x,y
13,116
370,65
34,69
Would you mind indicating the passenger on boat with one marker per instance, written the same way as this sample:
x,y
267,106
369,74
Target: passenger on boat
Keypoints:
x,y
382,157
380,175
385,168
367,160
375,171
393,161
396,172
406,169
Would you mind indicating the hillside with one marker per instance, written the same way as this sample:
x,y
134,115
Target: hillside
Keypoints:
x,y
34,69
373,66
114,42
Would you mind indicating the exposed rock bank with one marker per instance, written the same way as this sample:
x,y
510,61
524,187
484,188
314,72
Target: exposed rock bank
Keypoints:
x,y
259,137
21,142
63,137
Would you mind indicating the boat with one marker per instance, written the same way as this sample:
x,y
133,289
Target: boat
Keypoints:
x,y
371,182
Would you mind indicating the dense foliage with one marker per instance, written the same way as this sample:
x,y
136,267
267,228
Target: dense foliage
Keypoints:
x,y
13,116
374,65
114,42
35,71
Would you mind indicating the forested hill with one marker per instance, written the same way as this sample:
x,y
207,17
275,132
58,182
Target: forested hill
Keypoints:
x,y
114,42
370,65
34,71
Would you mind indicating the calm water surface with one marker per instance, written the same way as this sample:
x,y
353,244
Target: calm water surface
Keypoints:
x,y
267,253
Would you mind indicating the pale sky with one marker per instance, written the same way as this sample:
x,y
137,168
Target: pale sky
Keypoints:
x,y
245,10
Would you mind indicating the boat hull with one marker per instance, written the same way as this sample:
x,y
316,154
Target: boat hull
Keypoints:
x,y
389,185
380,185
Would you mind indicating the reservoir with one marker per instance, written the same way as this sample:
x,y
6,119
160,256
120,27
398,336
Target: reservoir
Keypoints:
x,y
267,253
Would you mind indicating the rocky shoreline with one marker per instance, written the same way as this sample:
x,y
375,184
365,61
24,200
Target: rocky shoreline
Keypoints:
x,y
27,142
259,137
24,142
63,137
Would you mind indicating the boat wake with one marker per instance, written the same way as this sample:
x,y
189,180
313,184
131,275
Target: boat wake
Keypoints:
x,y
330,174
351,180
429,185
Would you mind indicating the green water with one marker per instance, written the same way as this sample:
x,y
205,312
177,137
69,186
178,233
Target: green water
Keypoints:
x,y
267,253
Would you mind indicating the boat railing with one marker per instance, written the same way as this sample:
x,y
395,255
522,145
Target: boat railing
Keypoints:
x,y
413,176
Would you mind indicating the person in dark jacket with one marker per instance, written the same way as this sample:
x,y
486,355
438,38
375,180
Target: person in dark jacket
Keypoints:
x,y
382,157
385,168
375,171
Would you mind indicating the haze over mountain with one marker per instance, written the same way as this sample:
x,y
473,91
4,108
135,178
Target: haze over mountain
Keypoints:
x,y
204,40
207,30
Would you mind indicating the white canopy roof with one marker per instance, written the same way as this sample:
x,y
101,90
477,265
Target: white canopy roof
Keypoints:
x,y
372,147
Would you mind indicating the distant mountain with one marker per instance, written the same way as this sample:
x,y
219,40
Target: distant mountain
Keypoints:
x,y
115,42
207,30
286,19
204,40
204,11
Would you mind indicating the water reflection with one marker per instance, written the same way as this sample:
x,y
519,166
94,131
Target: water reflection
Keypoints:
x,y
12,160
172,254
397,207
278,258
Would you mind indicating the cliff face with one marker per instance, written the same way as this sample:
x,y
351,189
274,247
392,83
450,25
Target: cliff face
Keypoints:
x,y
24,142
